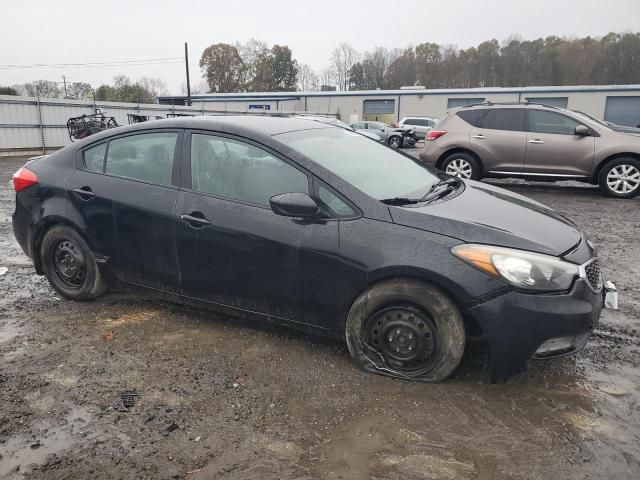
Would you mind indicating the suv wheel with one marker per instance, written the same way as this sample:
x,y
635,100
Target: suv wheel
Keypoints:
x,y
621,178
461,165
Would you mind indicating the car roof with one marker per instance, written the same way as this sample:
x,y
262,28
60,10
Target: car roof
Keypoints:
x,y
269,125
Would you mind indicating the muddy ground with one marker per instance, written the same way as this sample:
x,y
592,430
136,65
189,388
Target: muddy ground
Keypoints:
x,y
223,399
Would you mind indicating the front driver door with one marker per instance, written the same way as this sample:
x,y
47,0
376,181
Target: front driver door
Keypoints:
x,y
553,148
232,248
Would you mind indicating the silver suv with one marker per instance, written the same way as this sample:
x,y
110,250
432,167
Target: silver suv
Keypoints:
x,y
536,142
421,125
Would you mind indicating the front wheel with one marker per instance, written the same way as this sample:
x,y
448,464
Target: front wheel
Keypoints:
x,y
70,265
407,329
620,178
395,141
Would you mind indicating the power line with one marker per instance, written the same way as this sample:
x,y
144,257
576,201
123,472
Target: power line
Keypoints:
x,y
149,61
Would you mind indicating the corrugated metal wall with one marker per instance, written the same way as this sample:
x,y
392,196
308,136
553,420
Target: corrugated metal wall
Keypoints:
x,y
25,121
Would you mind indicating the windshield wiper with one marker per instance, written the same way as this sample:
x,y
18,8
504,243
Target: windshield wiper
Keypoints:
x,y
399,201
451,183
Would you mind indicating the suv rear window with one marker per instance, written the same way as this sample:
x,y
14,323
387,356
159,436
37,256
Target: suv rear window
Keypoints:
x,y
473,117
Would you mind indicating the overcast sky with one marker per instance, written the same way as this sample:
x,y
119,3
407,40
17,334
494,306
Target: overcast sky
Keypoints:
x,y
61,31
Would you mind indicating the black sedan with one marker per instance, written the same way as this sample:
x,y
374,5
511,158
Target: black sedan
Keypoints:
x,y
303,224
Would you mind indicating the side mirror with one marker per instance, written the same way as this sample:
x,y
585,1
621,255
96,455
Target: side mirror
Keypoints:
x,y
299,205
582,130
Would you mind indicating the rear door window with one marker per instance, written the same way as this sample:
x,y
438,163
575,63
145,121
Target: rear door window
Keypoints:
x,y
240,171
512,119
542,121
146,156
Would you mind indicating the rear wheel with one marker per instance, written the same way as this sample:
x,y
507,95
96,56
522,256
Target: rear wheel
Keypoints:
x,y
461,165
70,265
406,329
395,141
620,178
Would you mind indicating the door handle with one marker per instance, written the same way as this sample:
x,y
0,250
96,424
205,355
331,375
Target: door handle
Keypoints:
x,y
537,142
85,193
480,137
195,221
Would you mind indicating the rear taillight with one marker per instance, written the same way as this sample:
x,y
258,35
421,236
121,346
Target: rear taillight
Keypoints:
x,y
435,134
24,178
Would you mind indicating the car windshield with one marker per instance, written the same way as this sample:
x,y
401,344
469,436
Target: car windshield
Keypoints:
x,y
375,169
592,119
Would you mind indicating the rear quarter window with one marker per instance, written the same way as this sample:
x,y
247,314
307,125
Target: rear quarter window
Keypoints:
x,y
473,117
94,158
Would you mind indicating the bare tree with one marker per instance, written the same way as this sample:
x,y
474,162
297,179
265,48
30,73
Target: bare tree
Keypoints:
x,y
328,78
251,53
196,88
45,88
343,57
155,86
308,80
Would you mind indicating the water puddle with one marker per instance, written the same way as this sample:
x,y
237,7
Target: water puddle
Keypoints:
x,y
21,451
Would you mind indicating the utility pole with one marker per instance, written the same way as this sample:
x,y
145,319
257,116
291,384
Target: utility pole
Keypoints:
x,y
186,64
64,80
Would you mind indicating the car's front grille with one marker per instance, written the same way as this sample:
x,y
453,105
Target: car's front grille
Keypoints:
x,y
594,277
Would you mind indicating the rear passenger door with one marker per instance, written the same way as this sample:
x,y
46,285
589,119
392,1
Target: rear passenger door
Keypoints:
x,y
500,139
142,172
554,149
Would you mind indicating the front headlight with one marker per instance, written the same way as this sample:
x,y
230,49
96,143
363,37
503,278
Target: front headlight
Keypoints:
x,y
528,270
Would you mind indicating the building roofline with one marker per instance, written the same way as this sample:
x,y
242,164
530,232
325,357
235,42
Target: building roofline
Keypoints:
x,y
284,96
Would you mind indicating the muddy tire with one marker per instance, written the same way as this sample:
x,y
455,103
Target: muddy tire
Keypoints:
x,y
395,141
406,328
70,265
620,178
461,165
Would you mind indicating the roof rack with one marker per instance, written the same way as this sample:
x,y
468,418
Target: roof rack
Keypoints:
x,y
526,102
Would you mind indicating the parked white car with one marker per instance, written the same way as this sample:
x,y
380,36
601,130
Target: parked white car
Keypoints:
x,y
420,125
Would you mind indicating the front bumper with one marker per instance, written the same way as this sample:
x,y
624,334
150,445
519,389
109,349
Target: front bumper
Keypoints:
x,y
516,325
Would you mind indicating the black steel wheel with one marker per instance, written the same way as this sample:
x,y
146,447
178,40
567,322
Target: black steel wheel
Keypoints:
x,y
406,328
70,265
404,335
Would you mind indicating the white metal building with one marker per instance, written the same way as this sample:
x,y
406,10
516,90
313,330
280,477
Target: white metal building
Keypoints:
x,y
615,103
30,125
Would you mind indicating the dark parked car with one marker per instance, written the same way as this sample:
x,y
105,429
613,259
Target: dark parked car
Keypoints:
x,y
303,224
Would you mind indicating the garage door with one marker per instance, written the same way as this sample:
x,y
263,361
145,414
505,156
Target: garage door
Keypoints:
x,y
380,110
623,111
561,102
461,102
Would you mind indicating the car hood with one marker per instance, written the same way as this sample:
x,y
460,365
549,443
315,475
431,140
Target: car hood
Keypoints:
x,y
487,214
